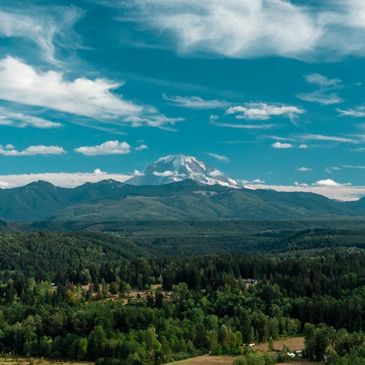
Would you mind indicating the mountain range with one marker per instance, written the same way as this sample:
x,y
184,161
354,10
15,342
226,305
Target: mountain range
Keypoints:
x,y
173,188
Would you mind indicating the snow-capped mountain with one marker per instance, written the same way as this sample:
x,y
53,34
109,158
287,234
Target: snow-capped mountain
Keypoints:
x,y
176,168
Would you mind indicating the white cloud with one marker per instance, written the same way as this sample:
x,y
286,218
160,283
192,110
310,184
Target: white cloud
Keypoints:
x,y
325,95
357,112
304,169
106,148
64,179
321,80
141,147
39,26
195,102
263,111
21,83
232,28
254,28
329,182
218,157
282,145
321,97
99,172
10,150
19,120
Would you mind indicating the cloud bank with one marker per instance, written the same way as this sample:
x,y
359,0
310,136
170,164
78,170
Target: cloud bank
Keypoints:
x,y
64,179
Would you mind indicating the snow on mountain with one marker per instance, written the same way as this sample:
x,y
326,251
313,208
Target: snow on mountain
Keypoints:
x,y
176,168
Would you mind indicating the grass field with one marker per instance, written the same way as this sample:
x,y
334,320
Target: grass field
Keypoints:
x,y
37,361
303,362
201,360
293,344
228,360
206,360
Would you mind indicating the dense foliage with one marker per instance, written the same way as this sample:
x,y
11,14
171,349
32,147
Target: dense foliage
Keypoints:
x,y
77,297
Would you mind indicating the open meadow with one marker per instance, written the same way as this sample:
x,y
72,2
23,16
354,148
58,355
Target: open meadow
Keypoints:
x,y
228,360
206,360
4,360
292,343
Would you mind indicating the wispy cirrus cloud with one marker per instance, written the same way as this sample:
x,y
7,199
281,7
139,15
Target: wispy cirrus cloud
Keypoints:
x,y
321,97
10,150
23,84
215,121
20,120
40,26
321,80
303,169
326,93
360,167
249,28
327,138
218,157
357,112
195,102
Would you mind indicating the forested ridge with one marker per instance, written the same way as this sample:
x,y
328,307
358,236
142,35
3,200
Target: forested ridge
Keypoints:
x,y
110,200
78,297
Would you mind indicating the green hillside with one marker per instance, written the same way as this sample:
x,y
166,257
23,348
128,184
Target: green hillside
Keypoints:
x,y
110,200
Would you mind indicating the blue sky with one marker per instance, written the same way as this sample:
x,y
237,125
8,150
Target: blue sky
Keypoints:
x,y
268,91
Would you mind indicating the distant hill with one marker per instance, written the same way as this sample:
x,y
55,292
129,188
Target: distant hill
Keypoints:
x,y
175,187
186,200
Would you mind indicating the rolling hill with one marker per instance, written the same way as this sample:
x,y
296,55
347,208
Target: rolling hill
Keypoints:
x,y
185,200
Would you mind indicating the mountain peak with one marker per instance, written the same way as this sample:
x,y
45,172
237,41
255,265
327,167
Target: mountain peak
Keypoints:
x,y
174,168
40,184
